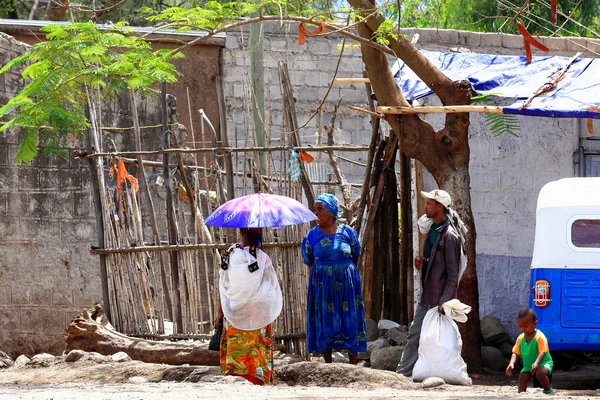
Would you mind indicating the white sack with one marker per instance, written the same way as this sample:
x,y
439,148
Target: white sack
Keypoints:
x,y
440,345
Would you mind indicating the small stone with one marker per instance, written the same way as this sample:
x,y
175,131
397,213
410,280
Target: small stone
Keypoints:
x,y
5,360
380,343
432,382
121,357
42,359
74,355
372,330
138,380
22,360
387,324
338,357
506,349
492,358
396,337
387,358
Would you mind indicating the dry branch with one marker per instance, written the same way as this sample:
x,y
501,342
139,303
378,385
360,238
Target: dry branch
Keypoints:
x,y
86,332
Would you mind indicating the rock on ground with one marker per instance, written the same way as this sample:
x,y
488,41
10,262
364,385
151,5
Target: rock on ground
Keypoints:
x,y
494,333
75,355
339,375
506,349
396,337
43,359
492,358
380,343
5,360
338,357
387,358
372,330
121,356
22,360
432,382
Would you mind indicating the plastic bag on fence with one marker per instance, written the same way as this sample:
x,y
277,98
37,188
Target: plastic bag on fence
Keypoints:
x,y
440,345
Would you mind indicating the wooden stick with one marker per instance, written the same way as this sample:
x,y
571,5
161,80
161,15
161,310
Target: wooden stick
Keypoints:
x,y
439,109
351,80
201,246
372,113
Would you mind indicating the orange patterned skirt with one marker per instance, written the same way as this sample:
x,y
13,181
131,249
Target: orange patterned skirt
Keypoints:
x,y
247,353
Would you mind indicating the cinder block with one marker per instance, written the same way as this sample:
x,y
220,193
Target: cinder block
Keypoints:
x,y
320,47
594,47
231,41
28,178
512,41
490,39
83,204
469,39
4,149
516,181
77,231
5,295
307,94
40,205
9,228
49,179
9,320
575,45
62,298
555,44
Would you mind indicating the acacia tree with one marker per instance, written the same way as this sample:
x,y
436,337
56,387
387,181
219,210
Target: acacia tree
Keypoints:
x,y
94,61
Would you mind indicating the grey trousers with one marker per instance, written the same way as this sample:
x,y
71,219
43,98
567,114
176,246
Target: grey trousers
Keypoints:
x,y
410,354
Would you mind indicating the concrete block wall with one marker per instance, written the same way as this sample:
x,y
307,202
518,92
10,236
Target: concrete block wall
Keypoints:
x,y
311,68
46,228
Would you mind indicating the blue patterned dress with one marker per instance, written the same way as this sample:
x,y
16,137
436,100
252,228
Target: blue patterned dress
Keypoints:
x,y
335,306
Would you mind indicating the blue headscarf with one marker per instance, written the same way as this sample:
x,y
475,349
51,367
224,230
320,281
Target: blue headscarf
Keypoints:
x,y
330,203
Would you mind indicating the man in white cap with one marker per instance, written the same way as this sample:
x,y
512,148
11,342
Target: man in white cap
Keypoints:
x,y
439,268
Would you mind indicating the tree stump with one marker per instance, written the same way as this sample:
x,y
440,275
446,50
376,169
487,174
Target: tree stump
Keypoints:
x,y
90,331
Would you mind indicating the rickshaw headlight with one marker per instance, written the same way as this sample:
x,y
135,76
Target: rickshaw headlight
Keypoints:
x,y
541,293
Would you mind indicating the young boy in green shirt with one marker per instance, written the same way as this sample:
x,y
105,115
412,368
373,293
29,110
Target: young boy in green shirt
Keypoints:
x,y
533,348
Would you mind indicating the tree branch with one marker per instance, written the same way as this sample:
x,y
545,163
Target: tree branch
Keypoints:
x,y
413,58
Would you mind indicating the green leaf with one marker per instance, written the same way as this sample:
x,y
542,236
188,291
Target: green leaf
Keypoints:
x,y
28,148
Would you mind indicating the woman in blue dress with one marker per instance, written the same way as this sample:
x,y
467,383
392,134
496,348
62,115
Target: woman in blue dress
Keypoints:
x,y
335,306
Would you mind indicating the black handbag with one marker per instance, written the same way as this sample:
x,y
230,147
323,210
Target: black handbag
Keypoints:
x,y
215,340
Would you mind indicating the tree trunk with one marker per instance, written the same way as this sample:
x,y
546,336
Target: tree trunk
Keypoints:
x,y
444,153
87,332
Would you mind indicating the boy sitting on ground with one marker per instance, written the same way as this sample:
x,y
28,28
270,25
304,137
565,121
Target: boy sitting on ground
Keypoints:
x,y
533,348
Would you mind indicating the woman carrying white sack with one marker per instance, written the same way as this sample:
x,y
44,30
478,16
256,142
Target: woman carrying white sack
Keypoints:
x,y
440,267
251,300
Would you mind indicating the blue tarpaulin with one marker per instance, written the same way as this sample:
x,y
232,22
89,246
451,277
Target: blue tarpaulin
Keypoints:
x,y
577,95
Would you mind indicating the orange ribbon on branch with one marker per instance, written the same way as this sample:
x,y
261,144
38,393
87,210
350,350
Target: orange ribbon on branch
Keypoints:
x,y
553,11
303,31
528,41
122,175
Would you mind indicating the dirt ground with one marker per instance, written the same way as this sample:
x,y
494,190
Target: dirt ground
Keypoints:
x,y
92,380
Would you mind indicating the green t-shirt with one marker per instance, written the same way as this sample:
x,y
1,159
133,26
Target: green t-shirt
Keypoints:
x,y
529,351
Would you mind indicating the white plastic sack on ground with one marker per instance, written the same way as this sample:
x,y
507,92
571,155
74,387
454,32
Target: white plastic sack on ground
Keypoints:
x,y
440,346
387,324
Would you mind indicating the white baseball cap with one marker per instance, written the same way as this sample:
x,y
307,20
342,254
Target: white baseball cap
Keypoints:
x,y
441,196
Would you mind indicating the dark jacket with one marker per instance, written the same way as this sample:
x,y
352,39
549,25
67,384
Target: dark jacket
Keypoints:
x,y
441,279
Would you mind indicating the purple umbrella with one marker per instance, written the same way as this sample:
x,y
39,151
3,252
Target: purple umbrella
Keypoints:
x,y
260,210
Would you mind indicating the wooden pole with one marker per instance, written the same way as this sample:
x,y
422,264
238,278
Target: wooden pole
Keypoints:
x,y
257,95
289,112
225,140
93,165
171,221
406,241
439,109
375,138
151,212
